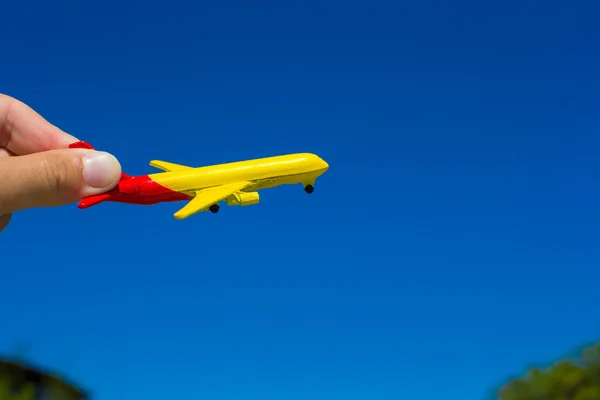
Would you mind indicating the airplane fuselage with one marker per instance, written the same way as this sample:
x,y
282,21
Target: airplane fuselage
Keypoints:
x,y
182,184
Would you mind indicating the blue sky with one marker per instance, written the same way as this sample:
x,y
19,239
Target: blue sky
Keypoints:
x,y
453,241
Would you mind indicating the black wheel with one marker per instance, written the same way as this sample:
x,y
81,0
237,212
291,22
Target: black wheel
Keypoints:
x,y
309,189
214,208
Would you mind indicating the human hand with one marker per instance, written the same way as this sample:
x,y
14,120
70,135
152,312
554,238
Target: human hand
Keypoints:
x,y
37,169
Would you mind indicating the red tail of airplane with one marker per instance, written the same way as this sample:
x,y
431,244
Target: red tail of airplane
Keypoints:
x,y
93,200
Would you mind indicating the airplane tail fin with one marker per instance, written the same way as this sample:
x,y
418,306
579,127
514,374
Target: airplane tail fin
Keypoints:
x,y
86,145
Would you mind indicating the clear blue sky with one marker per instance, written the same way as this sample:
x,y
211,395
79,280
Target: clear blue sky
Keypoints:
x,y
453,241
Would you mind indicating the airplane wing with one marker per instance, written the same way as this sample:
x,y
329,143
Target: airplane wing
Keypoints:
x,y
207,197
167,166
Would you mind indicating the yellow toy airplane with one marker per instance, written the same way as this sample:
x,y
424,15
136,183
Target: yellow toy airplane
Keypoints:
x,y
204,187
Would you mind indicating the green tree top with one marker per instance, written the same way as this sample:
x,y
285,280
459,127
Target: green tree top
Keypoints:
x,y
568,379
9,392
19,381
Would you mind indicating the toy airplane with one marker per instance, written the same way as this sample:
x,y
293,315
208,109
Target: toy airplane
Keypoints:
x,y
204,187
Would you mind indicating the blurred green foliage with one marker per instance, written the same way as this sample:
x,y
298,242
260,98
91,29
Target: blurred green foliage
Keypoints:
x,y
567,379
9,392
19,381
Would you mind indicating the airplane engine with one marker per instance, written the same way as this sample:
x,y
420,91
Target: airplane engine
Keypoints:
x,y
243,199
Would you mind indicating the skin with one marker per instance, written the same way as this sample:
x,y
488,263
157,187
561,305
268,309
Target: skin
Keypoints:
x,y
37,169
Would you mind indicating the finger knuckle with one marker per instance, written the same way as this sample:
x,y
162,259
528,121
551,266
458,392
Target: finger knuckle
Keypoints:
x,y
57,173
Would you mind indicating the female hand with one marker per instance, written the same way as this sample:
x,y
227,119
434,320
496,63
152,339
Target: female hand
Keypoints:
x,y
37,169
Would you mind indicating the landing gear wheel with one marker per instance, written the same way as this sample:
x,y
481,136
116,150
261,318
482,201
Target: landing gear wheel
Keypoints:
x,y
214,208
309,189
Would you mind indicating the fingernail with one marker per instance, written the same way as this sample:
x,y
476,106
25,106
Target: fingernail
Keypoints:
x,y
100,169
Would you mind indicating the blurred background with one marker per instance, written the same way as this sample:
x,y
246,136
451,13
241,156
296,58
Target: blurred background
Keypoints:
x,y
453,240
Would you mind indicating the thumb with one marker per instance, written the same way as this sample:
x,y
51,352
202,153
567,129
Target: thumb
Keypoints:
x,y
54,178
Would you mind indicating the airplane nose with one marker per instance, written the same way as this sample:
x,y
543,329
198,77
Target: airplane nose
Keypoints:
x,y
324,164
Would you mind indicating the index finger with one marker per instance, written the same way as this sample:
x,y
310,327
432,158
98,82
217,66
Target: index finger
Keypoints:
x,y
24,131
